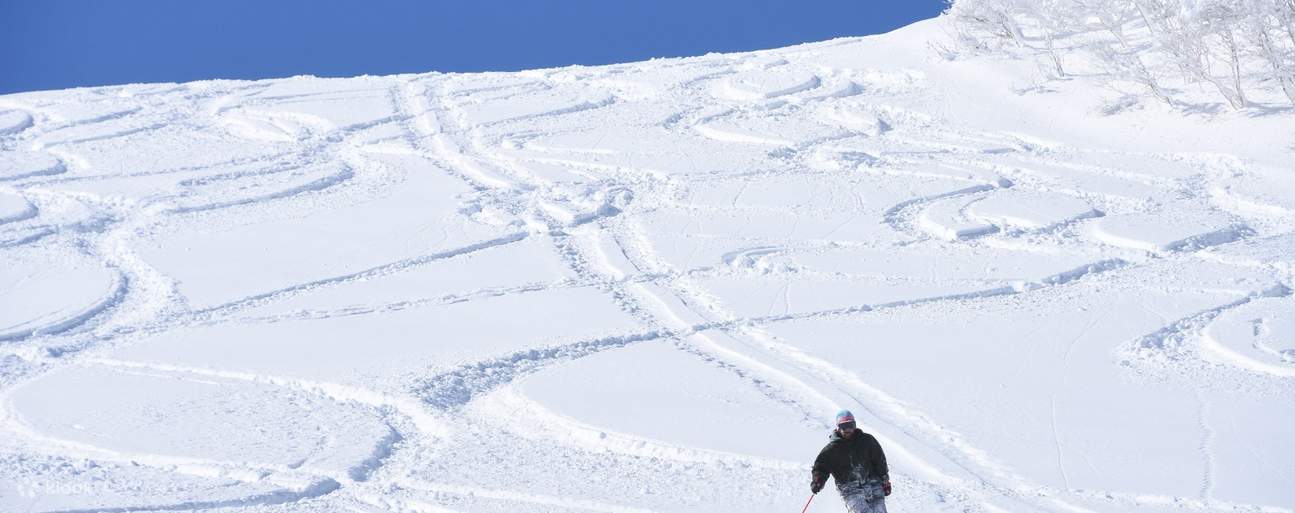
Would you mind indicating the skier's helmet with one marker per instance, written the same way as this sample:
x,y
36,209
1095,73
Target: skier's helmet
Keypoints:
x,y
844,419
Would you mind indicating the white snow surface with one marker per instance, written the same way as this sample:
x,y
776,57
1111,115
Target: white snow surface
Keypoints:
x,y
645,287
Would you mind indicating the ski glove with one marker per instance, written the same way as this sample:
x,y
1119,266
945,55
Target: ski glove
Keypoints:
x,y
885,488
816,484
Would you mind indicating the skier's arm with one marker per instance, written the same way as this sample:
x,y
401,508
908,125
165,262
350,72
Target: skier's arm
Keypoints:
x,y
818,476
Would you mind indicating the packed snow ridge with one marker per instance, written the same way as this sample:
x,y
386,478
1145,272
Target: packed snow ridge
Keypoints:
x,y
646,287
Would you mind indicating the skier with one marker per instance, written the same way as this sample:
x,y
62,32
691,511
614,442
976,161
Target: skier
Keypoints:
x,y
855,461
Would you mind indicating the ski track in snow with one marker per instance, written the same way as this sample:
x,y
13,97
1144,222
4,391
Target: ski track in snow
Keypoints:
x,y
1207,451
588,183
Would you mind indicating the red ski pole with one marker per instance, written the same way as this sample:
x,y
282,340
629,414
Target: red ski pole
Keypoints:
x,y
811,499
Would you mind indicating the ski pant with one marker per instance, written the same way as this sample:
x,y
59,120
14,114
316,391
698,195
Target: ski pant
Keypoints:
x,y
863,497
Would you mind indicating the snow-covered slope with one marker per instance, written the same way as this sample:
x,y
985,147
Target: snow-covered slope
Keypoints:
x,y
644,288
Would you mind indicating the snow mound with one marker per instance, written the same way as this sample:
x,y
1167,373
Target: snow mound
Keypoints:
x,y
220,427
14,121
1161,233
707,396
947,220
1273,193
1259,336
1015,209
273,126
15,208
775,131
234,189
763,85
79,484
46,293
15,165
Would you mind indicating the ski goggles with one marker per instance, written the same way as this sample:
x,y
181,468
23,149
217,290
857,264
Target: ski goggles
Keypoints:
x,y
846,426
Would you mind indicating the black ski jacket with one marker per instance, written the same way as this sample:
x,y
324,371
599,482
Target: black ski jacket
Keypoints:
x,y
856,458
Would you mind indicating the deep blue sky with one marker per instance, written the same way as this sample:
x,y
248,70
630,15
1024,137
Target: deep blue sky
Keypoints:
x,y
55,44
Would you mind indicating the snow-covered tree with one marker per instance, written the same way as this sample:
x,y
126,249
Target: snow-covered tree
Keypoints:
x,y
1273,27
1232,46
